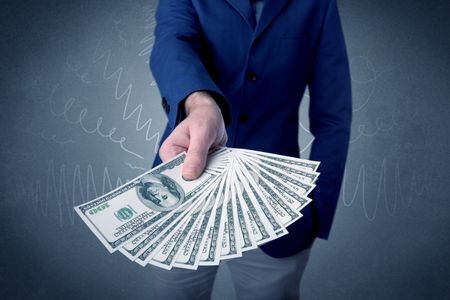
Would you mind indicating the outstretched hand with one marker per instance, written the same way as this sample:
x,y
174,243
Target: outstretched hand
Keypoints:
x,y
202,129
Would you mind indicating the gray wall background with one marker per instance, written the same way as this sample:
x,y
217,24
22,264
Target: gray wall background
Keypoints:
x,y
67,66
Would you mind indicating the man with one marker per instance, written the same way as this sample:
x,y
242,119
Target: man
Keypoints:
x,y
230,74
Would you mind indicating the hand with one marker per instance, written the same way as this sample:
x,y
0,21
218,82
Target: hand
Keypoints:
x,y
202,129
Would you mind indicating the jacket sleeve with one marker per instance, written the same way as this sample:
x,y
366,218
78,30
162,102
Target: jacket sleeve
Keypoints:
x,y
330,114
176,61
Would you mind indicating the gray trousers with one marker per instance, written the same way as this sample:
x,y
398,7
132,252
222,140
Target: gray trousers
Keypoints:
x,y
255,275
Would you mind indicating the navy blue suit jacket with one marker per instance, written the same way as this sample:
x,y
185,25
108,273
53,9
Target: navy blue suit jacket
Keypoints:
x,y
258,74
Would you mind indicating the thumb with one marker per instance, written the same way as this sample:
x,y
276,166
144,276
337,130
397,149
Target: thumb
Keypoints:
x,y
195,158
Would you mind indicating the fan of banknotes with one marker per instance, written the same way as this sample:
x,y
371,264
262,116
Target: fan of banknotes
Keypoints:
x,y
243,199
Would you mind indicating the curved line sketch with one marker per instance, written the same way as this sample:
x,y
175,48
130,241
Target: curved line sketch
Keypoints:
x,y
390,203
379,127
134,167
50,138
374,79
148,42
81,117
304,149
75,68
65,196
126,93
122,38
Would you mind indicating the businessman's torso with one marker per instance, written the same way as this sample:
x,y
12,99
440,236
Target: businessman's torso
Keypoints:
x,y
262,70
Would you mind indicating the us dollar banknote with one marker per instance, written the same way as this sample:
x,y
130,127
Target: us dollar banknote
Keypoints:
x,y
243,199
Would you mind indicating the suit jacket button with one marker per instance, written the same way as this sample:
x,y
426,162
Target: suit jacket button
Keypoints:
x,y
244,118
251,76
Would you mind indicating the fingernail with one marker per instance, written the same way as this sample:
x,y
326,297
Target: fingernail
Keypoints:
x,y
186,179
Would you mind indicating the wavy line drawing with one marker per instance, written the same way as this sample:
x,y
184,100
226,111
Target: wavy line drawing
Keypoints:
x,y
303,127
379,127
127,113
409,110
149,16
81,117
76,68
134,167
147,42
126,93
149,39
390,203
56,190
376,74
50,138
122,38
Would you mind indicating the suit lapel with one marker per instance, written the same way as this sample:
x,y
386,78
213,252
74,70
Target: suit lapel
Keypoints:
x,y
270,10
245,10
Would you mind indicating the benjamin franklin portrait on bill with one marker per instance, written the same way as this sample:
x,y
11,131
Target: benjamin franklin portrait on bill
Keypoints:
x,y
159,192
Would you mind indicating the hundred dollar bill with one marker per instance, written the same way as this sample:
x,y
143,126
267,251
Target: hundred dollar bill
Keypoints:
x,y
295,200
260,227
299,186
258,202
132,248
157,239
246,239
300,174
182,260
139,244
164,255
189,256
211,246
206,233
230,246
218,160
301,163
221,156
245,198
168,251
145,256
125,212
283,175
284,212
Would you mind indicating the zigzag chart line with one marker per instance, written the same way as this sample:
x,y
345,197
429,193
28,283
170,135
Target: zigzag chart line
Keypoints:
x,y
390,205
55,190
127,94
